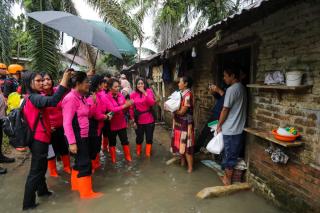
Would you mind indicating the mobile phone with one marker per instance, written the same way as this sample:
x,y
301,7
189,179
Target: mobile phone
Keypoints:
x,y
70,69
110,113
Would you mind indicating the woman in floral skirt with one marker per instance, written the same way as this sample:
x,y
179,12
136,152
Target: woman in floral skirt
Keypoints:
x,y
183,125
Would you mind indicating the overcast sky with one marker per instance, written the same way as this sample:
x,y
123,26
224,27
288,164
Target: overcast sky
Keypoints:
x,y
87,12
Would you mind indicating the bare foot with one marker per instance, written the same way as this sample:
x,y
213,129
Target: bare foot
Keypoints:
x,y
190,170
225,180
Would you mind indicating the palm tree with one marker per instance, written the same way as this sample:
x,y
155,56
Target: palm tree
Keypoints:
x,y
45,41
5,7
172,18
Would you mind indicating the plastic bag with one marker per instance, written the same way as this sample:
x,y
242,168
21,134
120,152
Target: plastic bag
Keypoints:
x,y
215,146
173,104
276,77
51,153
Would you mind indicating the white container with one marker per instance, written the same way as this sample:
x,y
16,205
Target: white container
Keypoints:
x,y
283,132
293,78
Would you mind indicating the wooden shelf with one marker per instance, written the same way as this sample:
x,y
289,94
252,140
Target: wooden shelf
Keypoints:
x,y
279,87
267,135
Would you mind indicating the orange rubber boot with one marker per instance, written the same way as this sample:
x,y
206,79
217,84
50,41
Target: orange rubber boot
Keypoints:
x,y
92,167
52,168
112,151
66,163
127,155
138,150
148,150
74,180
85,188
105,144
96,163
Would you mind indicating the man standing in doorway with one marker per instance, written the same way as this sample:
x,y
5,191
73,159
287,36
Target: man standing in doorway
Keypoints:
x,y
232,120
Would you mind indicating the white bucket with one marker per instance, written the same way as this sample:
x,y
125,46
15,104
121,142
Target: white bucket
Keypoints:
x,y
293,78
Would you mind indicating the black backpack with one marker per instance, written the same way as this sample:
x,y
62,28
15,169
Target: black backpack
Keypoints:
x,y
17,129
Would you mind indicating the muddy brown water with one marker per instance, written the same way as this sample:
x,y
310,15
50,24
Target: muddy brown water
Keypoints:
x,y
143,186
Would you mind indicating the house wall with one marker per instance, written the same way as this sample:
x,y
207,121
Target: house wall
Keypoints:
x,y
287,40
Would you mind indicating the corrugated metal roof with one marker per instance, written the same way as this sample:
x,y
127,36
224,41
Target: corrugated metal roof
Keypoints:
x,y
147,59
248,8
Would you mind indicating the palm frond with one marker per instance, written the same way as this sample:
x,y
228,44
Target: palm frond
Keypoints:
x,y
202,22
5,36
112,12
68,6
44,47
90,54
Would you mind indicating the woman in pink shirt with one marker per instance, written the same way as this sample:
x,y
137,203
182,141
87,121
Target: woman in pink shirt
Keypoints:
x,y
36,113
117,104
76,113
97,103
58,142
142,114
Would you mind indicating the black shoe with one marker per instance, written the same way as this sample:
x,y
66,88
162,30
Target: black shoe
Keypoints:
x,y
4,159
24,208
3,171
43,194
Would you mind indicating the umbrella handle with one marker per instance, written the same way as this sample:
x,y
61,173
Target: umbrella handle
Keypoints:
x,y
75,54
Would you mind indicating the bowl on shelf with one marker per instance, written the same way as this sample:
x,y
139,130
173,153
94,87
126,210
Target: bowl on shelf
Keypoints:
x,y
284,137
283,132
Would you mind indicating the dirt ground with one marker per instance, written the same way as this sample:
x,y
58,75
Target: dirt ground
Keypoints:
x,y
143,186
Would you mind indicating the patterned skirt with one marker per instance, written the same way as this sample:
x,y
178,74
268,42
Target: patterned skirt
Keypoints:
x,y
183,136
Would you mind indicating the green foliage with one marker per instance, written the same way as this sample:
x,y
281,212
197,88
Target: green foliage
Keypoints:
x,y
172,18
44,46
5,25
110,61
21,39
215,10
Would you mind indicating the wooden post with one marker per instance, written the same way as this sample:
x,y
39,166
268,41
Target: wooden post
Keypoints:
x,y
218,191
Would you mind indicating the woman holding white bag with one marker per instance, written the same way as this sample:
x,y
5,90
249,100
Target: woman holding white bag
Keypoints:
x,y
183,125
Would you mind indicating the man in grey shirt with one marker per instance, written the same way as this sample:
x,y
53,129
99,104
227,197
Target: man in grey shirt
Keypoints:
x,y
232,120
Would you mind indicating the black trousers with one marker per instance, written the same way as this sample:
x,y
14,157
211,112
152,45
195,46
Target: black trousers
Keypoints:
x,y
145,129
122,133
205,134
36,180
59,143
95,146
82,160
106,131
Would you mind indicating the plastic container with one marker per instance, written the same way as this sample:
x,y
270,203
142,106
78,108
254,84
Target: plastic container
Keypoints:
x,y
293,78
283,132
284,138
213,123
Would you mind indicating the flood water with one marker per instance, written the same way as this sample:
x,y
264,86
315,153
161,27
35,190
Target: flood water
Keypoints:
x,y
143,186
